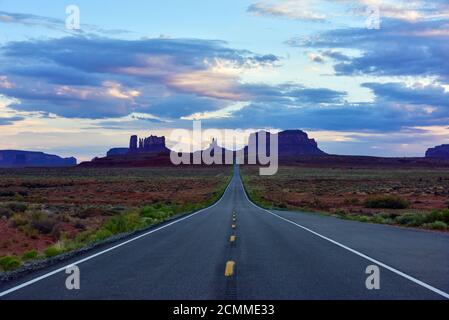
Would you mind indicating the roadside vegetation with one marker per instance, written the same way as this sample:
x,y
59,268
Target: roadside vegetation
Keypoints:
x,y
37,222
416,198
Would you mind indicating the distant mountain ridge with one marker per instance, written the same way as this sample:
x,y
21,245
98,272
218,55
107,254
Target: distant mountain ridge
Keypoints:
x,y
294,148
22,159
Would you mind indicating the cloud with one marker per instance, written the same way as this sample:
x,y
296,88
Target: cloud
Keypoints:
x,y
399,48
293,95
335,55
396,106
423,95
321,10
32,20
317,58
183,105
9,120
164,78
292,9
63,76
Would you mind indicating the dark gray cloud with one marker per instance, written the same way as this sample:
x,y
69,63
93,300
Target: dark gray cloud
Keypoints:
x,y
183,105
9,120
291,94
348,117
396,107
112,56
430,95
98,77
338,56
54,74
64,77
399,48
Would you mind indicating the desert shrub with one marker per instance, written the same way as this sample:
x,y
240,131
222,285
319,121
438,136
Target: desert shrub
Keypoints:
x,y
5,212
388,221
340,212
18,198
438,215
445,216
29,231
82,237
157,212
30,255
390,215
411,219
318,204
7,193
118,209
101,235
187,207
281,205
9,263
123,223
363,218
35,185
387,202
23,193
379,219
80,225
17,206
43,223
56,232
352,201
93,212
18,220
52,251
437,225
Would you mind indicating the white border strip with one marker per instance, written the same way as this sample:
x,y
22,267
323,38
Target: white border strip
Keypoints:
x,y
28,283
400,273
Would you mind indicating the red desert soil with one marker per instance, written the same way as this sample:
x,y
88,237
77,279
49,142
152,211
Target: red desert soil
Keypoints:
x,y
73,200
329,189
130,193
14,242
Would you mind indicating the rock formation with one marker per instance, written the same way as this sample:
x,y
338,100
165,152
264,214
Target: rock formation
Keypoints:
x,y
133,143
295,147
152,144
117,152
21,159
439,152
291,143
297,142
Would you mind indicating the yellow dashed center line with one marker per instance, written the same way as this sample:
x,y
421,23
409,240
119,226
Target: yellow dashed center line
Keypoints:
x,y
229,271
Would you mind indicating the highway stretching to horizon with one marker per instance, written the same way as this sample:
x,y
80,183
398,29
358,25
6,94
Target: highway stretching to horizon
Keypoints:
x,y
235,250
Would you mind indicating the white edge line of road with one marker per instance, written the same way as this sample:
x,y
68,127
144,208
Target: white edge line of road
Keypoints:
x,y
377,262
30,282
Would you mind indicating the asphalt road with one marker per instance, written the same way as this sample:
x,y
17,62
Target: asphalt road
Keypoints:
x,y
276,255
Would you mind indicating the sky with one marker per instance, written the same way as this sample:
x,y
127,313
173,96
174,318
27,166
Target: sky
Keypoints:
x,y
365,77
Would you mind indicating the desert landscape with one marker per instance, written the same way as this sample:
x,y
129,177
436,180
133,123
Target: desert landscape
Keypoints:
x,y
46,212
411,197
238,151
49,211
